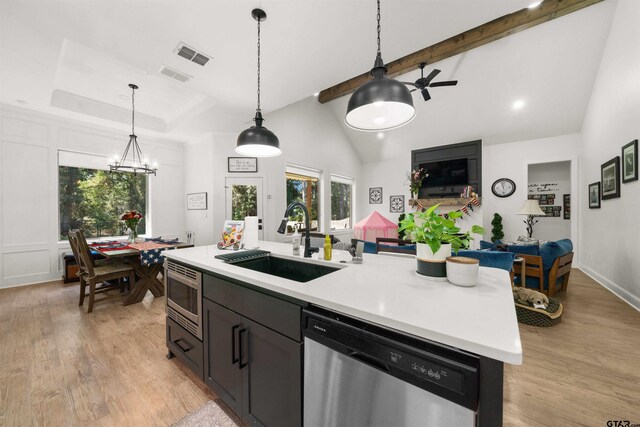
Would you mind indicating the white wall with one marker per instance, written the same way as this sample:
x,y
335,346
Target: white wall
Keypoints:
x,y
512,161
309,136
609,236
198,178
392,176
29,247
551,228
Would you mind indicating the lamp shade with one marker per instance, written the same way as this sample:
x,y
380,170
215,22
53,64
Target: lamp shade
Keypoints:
x,y
531,207
380,104
258,141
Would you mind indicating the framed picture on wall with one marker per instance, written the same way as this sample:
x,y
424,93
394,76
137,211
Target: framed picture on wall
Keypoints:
x,y
594,195
396,204
566,204
242,164
375,195
630,162
610,178
197,201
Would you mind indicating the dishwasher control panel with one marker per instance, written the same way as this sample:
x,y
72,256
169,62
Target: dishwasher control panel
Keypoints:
x,y
387,355
446,371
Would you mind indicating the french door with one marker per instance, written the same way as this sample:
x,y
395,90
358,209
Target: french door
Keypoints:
x,y
243,197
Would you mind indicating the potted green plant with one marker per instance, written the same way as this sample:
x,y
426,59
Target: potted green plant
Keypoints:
x,y
436,237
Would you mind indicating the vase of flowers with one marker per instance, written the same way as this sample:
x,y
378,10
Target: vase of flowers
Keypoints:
x,y
131,220
415,178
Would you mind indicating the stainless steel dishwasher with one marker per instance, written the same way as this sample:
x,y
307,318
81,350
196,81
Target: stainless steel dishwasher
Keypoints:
x,y
359,374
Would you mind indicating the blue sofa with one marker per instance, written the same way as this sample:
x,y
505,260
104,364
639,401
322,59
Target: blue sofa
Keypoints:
x,y
547,266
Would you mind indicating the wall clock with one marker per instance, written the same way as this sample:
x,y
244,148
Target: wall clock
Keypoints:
x,y
503,187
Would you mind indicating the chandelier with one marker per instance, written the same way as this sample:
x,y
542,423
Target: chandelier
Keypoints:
x,y
132,159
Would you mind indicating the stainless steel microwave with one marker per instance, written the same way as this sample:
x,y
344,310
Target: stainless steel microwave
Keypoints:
x,y
184,297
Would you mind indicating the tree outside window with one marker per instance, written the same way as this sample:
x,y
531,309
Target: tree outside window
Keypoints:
x,y
303,189
93,200
341,200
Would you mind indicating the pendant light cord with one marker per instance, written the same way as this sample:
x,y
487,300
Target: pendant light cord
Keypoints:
x,y
258,65
133,111
378,27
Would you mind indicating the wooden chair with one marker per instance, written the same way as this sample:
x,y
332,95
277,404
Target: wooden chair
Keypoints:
x,y
92,274
561,268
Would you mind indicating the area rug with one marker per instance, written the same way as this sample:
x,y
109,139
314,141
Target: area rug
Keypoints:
x,y
209,415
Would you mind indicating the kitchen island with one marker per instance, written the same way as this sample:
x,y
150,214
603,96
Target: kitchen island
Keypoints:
x,y
384,290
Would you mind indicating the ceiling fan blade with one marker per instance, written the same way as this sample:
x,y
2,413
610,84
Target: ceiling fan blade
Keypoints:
x,y
447,83
425,94
413,90
431,75
408,83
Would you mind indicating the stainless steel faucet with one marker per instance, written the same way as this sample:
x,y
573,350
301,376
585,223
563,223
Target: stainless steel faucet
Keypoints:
x,y
308,250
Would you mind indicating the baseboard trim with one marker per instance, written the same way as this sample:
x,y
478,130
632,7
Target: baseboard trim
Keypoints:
x,y
618,291
19,285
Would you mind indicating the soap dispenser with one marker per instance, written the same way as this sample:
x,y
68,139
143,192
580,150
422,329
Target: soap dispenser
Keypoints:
x,y
327,248
295,239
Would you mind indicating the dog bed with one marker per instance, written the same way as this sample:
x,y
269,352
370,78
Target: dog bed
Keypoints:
x,y
539,317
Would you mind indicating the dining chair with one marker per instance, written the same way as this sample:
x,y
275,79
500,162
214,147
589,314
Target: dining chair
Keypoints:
x,y
93,274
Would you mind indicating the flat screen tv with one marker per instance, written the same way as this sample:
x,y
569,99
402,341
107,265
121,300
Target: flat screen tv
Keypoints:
x,y
446,173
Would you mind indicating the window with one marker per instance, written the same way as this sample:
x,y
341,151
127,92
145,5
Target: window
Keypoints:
x,y
303,187
93,199
341,202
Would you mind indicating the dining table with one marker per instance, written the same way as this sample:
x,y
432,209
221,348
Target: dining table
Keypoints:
x,y
146,261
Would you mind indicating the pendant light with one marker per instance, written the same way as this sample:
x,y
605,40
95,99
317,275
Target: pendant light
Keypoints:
x,y
382,103
258,141
135,163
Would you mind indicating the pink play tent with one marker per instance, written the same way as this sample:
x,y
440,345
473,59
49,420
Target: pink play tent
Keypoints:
x,y
375,225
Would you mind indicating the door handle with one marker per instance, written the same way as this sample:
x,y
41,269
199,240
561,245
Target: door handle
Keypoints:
x,y
241,352
234,359
183,348
371,361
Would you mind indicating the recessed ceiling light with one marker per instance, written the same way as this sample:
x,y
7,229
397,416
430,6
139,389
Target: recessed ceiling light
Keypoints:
x,y
534,5
21,101
316,94
517,105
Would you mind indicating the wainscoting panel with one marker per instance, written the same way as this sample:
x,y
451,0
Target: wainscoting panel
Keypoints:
x,y
25,264
25,129
25,194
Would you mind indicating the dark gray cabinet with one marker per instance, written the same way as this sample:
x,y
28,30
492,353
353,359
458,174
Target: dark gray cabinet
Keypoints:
x,y
221,370
183,345
255,369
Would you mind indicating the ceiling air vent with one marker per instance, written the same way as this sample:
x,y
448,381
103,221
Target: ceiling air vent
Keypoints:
x,y
174,74
192,54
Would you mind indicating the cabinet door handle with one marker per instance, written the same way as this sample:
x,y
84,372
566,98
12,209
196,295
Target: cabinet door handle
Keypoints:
x,y
182,347
241,352
234,359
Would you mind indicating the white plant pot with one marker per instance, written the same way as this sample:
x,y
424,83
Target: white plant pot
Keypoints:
x,y
462,271
430,264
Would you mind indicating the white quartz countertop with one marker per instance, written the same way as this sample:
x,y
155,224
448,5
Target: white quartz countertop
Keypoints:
x,y
385,289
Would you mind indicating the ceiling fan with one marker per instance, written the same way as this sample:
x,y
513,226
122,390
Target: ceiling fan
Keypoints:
x,y
425,82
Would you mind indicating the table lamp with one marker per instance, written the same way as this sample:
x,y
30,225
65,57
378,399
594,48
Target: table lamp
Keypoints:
x,y
531,209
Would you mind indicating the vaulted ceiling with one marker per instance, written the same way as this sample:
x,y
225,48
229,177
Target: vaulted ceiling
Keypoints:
x,y
75,59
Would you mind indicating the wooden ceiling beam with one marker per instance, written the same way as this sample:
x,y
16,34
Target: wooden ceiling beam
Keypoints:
x,y
470,39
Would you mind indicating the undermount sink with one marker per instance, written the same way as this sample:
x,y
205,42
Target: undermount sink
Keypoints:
x,y
298,271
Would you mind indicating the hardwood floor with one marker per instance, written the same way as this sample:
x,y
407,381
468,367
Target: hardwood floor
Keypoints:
x,y
60,366
583,371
